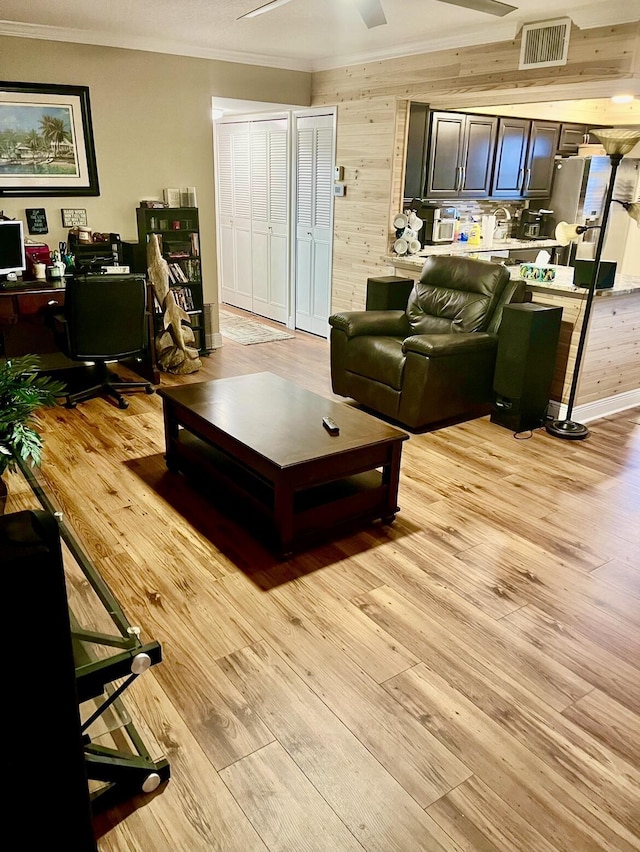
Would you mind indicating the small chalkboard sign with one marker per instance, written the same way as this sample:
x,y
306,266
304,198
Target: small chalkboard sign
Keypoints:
x,y
37,220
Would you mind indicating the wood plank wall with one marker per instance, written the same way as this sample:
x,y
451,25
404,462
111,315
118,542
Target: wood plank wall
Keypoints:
x,y
612,358
611,363
372,110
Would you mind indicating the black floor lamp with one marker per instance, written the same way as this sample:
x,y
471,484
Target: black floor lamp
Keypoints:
x,y
617,142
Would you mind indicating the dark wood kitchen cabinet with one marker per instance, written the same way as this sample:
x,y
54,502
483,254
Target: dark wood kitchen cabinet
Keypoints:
x,y
543,142
525,156
417,136
460,155
511,157
571,136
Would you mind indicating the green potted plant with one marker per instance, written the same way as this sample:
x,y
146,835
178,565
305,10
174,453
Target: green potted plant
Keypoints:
x,y
22,391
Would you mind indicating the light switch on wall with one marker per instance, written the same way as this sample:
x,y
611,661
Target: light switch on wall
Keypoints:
x,y
339,189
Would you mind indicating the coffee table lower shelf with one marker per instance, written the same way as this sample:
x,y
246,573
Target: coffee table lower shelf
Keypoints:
x,y
359,497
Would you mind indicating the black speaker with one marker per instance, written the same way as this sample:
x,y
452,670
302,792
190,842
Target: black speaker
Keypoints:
x,y
388,293
527,347
45,767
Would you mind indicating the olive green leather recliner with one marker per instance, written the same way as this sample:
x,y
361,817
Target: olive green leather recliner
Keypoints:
x,y
434,361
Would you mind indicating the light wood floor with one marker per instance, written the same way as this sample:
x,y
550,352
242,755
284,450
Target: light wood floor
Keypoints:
x,y
466,679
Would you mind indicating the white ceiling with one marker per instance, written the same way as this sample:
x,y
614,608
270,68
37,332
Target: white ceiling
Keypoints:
x,y
302,34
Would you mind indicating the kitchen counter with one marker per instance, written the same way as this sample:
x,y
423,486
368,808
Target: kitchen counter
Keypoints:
x,y
412,264
496,245
458,248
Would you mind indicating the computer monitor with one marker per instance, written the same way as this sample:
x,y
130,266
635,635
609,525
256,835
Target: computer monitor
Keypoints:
x,y
12,254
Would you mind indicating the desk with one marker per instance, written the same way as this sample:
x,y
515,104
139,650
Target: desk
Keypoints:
x,y
27,328
26,314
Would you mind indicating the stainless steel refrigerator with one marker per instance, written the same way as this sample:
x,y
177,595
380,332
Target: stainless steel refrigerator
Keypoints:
x,y
577,196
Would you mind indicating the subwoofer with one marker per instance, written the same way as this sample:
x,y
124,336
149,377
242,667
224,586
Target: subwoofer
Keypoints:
x,y
45,767
388,293
526,357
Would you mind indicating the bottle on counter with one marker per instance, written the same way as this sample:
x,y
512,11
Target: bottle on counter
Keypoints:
x,y
475,234
463,230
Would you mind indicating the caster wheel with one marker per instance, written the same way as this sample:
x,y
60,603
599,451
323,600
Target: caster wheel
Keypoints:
x,y
149,390
151,783
123,403
71,405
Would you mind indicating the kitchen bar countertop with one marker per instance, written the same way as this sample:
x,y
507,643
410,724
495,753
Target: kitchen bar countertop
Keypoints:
x,y
624,283
496,245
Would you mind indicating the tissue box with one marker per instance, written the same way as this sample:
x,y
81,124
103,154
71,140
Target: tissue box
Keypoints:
x,y
550,273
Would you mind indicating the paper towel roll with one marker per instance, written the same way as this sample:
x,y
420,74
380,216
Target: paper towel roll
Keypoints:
x,y
488,228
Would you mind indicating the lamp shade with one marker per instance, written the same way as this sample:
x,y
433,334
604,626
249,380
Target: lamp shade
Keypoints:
x,y
633,209
618,140
566,233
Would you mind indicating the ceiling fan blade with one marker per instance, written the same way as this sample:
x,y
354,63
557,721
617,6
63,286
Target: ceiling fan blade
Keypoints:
x,y
266,7
371,12
491,7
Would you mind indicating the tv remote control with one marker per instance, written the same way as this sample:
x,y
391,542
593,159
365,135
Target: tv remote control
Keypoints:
x,y
331,426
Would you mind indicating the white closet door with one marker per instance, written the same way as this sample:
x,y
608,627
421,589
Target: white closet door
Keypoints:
x,y
314,217
269,218
234,211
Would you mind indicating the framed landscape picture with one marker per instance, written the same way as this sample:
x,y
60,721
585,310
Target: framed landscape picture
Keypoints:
x,y
46,141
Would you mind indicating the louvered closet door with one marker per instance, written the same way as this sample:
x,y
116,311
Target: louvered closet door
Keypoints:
x,y
269,218
234,212
314,217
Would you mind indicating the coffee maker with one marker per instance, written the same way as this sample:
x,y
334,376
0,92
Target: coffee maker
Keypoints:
x,y
530,225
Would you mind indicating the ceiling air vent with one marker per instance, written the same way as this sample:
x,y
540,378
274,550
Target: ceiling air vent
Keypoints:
x,y
545,44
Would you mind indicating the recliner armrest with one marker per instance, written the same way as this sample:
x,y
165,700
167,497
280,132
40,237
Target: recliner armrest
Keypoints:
x,y
438,345
357,323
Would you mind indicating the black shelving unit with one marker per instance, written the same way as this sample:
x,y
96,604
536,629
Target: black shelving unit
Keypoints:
x,y
178,231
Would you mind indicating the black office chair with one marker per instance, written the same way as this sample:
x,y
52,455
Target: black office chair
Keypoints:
x,y
104,321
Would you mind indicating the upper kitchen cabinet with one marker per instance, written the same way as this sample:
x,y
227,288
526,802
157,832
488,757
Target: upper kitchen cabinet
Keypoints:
x,y
415,171
525,155
460,155
511,157
543,142
572,135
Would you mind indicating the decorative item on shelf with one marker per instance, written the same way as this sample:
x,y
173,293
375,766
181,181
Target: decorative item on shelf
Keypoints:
x,y
172,197
153,204
617,141
73,217
37,220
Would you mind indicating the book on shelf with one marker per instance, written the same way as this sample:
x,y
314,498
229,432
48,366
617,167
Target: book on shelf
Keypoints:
x,y
183,297
195,244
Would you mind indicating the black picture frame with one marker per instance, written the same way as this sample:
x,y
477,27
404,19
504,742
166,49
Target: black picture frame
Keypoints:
x,y
46,141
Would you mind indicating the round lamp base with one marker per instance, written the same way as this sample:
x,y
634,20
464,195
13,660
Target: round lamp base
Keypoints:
x,y
567,429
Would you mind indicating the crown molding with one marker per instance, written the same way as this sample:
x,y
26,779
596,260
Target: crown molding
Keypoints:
x,y
586,17
101,39
502,31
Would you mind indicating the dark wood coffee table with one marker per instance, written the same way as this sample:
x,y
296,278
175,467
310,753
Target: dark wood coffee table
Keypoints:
x,y
260,438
